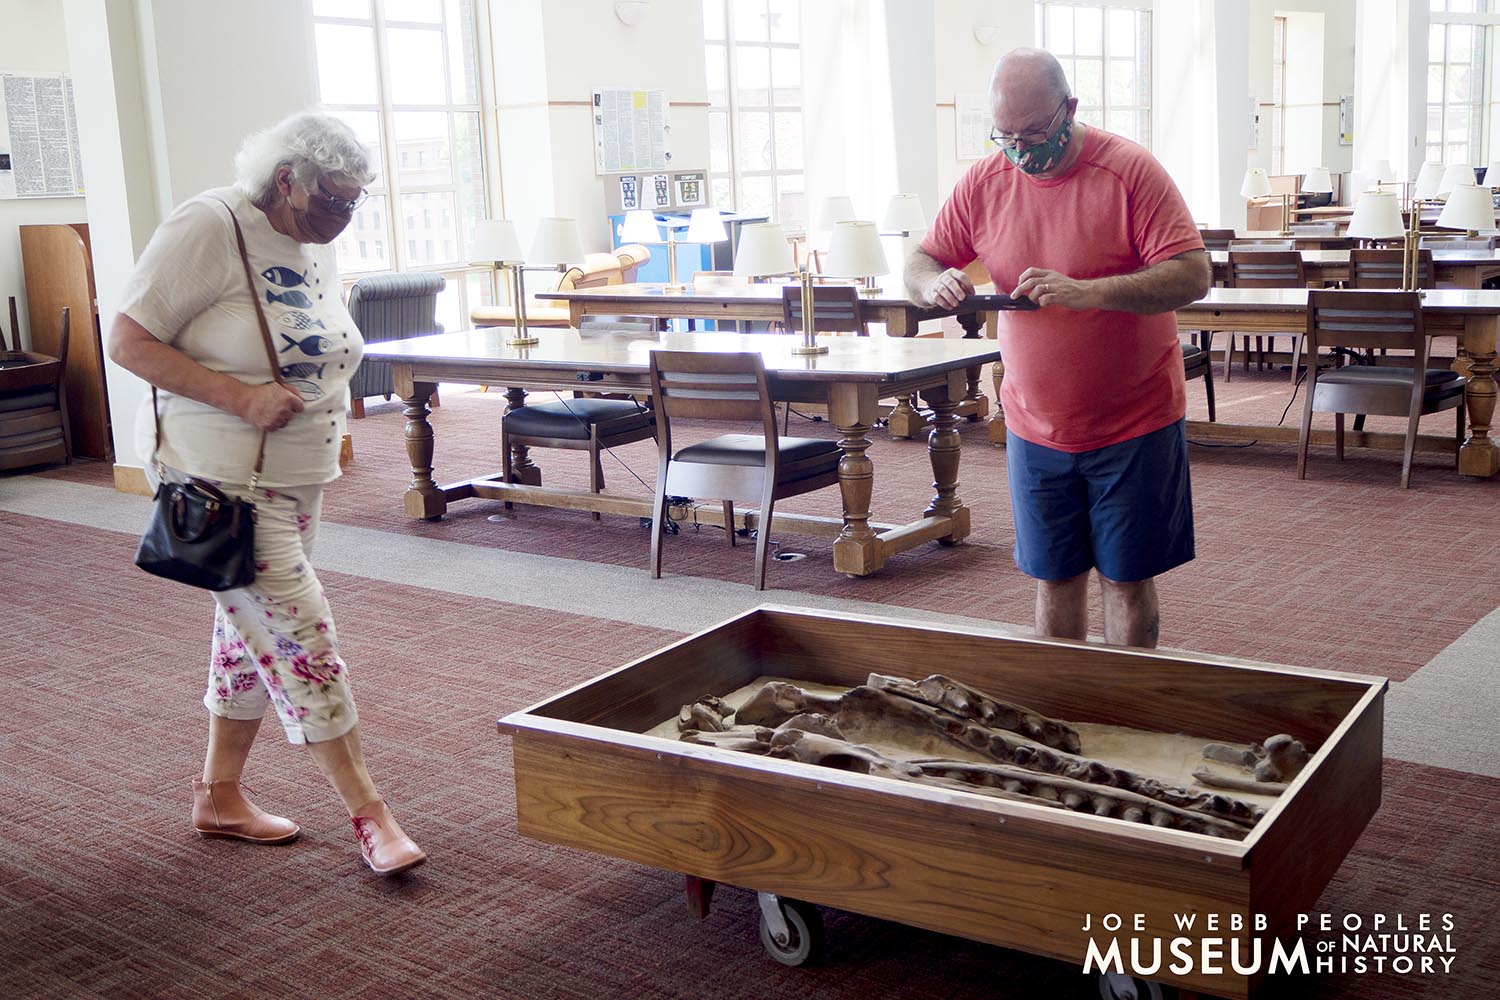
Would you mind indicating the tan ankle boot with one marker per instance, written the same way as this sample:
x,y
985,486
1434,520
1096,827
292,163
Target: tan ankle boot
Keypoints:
x,y
386,848
220,809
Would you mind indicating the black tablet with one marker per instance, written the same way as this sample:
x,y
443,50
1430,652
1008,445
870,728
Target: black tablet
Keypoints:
x,y
986,303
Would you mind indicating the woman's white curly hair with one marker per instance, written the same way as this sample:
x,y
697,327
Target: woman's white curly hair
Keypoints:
x,y
313,144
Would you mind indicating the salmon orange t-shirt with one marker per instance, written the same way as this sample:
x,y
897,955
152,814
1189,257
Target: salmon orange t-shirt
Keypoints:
x,y
1076,380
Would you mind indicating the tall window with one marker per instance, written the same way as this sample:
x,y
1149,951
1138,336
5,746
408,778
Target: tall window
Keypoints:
x,y
1455,81
405,75
1106,54
754,60
1278,95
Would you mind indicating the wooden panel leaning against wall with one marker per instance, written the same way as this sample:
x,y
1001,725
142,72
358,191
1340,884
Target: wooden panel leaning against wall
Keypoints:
x,y
60,273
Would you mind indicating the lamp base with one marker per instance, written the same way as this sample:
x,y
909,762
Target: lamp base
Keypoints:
x,y
522,341
810,349
870,292
675,288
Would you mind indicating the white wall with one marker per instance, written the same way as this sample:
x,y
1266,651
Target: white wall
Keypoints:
x,y
549,58
1390,83
34,41
964,65
166,91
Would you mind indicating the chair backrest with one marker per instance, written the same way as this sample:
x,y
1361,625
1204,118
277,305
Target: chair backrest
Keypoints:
x,y
1262,245
1217,239
1459,242
596,271
835,308
1266,269
15,327
704,386
1315,228
396,306
1363,319
1382,268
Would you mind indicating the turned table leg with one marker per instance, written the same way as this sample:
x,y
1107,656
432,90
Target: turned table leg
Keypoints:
x,y
995,427
522,469
1479,455
972,324
943,450
852,408
423,497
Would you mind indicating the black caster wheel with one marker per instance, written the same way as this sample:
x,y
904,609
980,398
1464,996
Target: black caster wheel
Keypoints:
x,y
791,931
1117,986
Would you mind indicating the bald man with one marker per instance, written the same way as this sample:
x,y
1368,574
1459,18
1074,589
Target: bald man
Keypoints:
x,y
1090,227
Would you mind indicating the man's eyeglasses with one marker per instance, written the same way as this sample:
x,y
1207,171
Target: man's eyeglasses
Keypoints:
x,y
340,206
1010,140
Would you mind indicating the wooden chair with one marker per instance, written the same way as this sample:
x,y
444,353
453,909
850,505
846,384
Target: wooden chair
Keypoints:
x,y
1358,319
34,427
1216,239
762,467
836,309
576,424
1196,364
1265,269
390,307
1382,269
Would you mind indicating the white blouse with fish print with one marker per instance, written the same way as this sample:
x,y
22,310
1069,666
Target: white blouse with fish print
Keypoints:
x,y
189,290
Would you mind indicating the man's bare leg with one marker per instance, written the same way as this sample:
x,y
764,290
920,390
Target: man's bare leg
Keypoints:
x,y
1062,607
1132,616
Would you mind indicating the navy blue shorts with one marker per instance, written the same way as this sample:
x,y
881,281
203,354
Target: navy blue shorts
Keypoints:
x,y
1125,509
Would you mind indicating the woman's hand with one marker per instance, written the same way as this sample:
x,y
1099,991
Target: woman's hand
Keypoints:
x,y
269,407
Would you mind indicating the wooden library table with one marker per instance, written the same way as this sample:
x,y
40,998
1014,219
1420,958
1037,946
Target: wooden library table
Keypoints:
x,y
851,379
762,303
1468,314
1455,268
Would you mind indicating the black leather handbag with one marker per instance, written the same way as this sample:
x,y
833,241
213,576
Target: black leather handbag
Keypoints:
x,y
198,534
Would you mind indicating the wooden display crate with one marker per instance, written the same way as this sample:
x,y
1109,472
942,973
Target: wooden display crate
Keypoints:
x,y
1008,873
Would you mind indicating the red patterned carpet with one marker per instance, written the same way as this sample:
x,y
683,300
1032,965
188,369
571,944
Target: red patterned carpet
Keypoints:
x,y
104,891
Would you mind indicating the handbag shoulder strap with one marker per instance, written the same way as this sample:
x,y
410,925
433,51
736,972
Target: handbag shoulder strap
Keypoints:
x,y
265,336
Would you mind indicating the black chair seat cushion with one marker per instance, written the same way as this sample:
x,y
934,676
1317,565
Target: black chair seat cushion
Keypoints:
x,y
571,419
1194,360
750,449
1441,383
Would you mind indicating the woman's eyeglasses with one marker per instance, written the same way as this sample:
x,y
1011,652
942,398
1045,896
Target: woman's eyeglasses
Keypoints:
x,y
1011,140
340,206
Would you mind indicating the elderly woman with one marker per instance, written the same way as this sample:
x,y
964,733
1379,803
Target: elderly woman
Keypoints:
x,y
188,326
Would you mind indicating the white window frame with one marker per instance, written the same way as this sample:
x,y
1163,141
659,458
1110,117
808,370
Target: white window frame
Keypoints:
x,y
729,114
389,185
1279,28
1101,112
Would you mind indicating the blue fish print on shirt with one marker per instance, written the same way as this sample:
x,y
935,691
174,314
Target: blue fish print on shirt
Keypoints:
x,y
303,368
283,276
289,298
307,390
311,346
300,321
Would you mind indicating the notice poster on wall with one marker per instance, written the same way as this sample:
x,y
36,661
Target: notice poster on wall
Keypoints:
x,y
38,138
692,189
972,126
631,131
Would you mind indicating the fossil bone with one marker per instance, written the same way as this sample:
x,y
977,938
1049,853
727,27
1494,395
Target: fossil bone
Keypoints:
x,y
967,703
778,701
1236,784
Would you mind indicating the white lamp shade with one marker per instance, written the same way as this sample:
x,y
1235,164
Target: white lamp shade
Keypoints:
x,y
855,251
1492,174
1453,176
639,227
763,250
1469,207
904,214
834,209
1376,217
1427,180
1380,171
1256,184
495,240
706,225
1318,181
555,243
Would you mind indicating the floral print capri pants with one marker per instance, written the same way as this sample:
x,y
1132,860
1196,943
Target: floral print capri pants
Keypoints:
x,y
274,640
